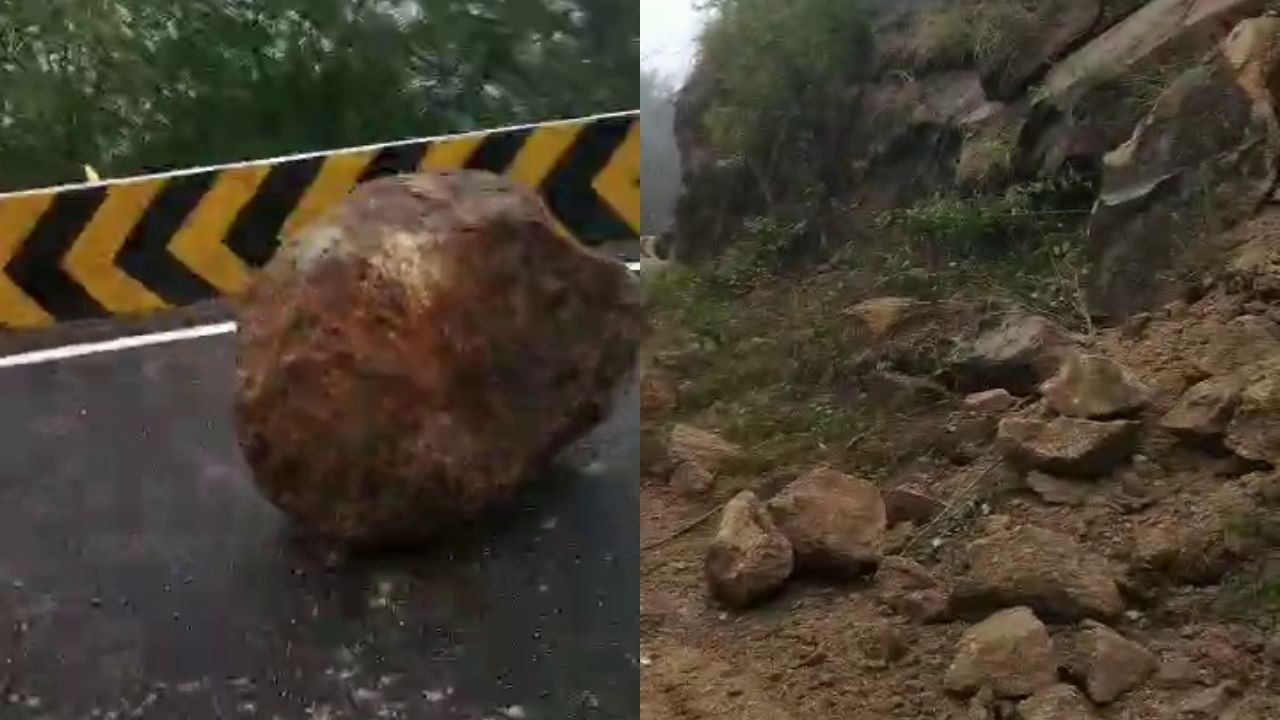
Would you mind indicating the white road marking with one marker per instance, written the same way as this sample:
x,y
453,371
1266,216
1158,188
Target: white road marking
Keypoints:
x,y
37,357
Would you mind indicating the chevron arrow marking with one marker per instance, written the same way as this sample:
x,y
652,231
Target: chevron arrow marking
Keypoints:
x,y
199,243
91,259
17,217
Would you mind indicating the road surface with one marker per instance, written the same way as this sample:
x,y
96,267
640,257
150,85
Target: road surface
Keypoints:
x,y
144,577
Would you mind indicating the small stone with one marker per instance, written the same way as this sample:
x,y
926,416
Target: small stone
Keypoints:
x,y
710,451
691,479
1094,387
990,402
878,318
904,573
749,557
835,522
907,503
1010,652
1057,491
1067,446
885,645
1108,664
926,607
659,394
1177,672
1210,702
1057,702
1205,409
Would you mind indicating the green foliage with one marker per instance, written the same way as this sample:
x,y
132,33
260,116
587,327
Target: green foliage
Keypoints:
x,y
1007,247
135,85
782,71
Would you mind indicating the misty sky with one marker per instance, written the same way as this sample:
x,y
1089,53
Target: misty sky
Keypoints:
x,y
668,29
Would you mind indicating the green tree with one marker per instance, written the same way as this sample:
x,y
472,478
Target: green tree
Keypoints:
x,y
135,85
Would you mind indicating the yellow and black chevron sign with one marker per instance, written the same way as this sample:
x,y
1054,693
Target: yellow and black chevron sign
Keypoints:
x,y
141,244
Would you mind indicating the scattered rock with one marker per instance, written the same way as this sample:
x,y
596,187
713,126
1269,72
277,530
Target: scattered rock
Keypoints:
x,y
749,558
1017,356
1238,343
1010,652
878,318
659,394
885,645
1193,542
1177,672
1204,410
1042,569
710,451
1067,446
1057,491
1106,663
397,311
990,402
922,606
1254,430
835,522
1093,387
1057,702
1209,702
691,479
903,573
906,503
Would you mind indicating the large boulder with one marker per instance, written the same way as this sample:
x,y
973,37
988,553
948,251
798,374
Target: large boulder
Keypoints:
x,y
1042,569
1067,446
1204,158
414,355
1094,387
749,557
1009,652
835,522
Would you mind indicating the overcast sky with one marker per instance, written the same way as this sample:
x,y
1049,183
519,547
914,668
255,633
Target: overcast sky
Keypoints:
x,y
668,29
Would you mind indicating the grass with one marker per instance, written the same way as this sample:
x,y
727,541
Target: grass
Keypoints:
x,y
960,32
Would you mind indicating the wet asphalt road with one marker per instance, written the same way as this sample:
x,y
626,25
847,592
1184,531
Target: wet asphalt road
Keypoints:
x,y
145,578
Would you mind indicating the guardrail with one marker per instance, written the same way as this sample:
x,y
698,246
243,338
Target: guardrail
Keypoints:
x,y
141,244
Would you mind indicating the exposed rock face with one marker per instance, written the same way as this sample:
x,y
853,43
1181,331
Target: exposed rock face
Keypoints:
x,y
749,557
835,522
1202,159
1060,25
410,358
1107,664
1017,356
1204,410
1042,569
1067,446
1057,702
1094,387
1010,652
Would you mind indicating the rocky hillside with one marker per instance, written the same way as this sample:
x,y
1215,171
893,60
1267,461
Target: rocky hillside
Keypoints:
x,y
1157,118
1077,527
